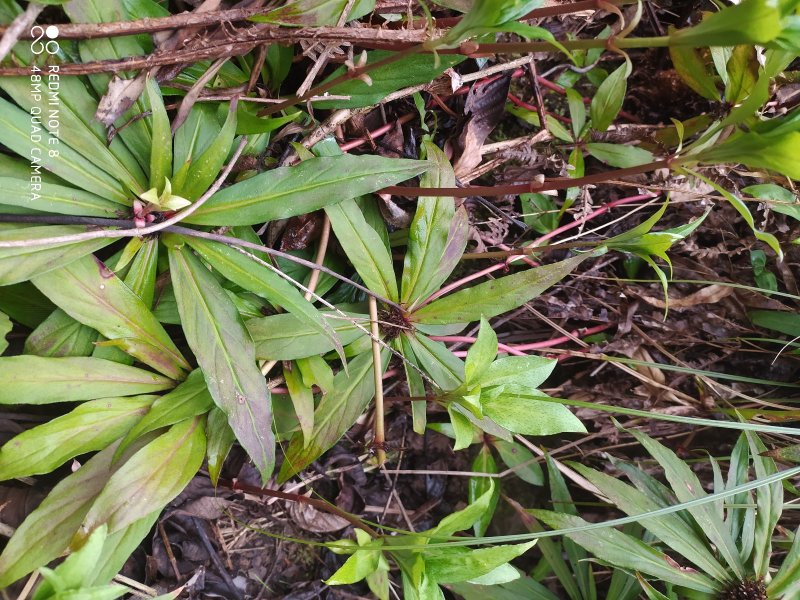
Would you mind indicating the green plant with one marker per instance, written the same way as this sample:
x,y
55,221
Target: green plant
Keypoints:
x,y
134,262
728,544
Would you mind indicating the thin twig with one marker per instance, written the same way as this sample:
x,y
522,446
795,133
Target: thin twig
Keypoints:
x,y
378,442
19,27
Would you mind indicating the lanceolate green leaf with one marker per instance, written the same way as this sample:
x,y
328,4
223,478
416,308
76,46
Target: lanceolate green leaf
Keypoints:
x,y
756,150
478,485
5,328
687,487
16,134
694,71
20,264
309,186
204,169
75,125
430,229
225,352
256,278
161,152
607,102
444,367
725,27
141,276
119,546
220,439
55,198
620,155
335,414
494,297
37,380
60,335
47,531
531,417
786,582
449,567
91,426
189,399
364,248
627,552
670,529
286,337
92,294
150,478
408,71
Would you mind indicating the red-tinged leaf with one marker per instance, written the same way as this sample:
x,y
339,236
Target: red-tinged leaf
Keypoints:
x,y
189,399
60,335
431,235
149,479
46,532
92,294
37,380
89,427
226,355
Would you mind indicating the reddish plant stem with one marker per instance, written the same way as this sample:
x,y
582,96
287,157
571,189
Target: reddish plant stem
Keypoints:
x,y
519,349
532,186
593,215
352,144
531,107
504,265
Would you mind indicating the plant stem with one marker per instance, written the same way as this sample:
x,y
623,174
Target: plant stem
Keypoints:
x,y
514,47
378,442
560,183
